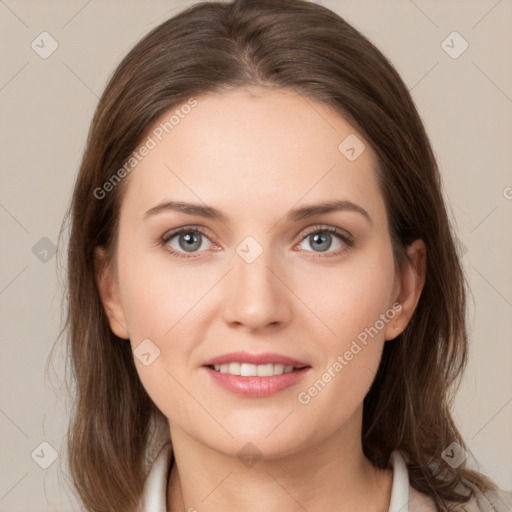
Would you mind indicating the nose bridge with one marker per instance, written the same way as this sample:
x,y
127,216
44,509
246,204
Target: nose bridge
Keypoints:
x,y
257,297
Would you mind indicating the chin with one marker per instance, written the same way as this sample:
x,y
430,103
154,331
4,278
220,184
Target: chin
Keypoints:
x,y
267,440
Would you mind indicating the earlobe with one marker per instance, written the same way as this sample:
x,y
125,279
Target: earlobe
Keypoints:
x,y
109,293
411,283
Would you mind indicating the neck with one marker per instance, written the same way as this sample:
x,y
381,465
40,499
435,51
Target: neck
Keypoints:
x,y
332,474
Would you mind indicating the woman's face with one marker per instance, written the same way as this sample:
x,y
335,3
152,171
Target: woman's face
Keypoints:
x,y
261,277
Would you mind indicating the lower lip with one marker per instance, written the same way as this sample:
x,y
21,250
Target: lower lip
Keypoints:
x,y
257,387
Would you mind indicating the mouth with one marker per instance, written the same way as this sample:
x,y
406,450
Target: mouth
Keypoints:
x,y
255,375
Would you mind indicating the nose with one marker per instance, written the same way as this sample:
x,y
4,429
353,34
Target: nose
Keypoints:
x,y
257,297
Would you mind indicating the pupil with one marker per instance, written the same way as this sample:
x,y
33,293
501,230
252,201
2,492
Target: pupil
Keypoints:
x,y
191,241
324,236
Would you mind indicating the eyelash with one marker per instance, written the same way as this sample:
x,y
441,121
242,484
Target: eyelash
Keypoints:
x,y
347,240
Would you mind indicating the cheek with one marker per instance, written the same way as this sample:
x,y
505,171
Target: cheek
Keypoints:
x,y
164,303
356,305
159,297
352,298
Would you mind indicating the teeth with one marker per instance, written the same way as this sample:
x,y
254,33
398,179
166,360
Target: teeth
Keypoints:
x,y
279,369
253,370
248,370
233,368
265,370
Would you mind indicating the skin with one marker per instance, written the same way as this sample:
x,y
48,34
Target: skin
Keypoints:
x,y
256,153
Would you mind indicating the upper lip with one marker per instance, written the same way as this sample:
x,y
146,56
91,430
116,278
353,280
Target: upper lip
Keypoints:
x,y
257,359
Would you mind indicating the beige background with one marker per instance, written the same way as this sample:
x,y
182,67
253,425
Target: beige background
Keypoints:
x,y
47,105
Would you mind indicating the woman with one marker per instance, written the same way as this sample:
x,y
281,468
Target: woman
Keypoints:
x,y
214,346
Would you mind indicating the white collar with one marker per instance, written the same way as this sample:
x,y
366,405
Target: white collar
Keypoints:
x,y
155,488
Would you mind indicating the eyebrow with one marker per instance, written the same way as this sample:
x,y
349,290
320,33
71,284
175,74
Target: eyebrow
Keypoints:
x,y
295,215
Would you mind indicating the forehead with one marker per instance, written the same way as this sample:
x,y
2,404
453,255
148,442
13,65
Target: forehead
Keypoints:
x,y
256,148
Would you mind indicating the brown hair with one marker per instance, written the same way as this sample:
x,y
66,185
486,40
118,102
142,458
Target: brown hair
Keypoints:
x,y
115,427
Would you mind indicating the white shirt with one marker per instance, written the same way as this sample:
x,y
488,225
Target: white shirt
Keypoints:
x,y
404,498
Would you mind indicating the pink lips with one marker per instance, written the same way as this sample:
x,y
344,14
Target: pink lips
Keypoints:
x,y
256,387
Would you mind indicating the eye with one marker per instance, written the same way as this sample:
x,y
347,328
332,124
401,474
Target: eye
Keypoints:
x,y
320,238
188,240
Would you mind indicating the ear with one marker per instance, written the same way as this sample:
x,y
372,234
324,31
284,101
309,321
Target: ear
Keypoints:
x,y
109,293
408,288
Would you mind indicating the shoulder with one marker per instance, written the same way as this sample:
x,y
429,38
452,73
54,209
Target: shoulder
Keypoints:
x,y
497,500
490,501
420,502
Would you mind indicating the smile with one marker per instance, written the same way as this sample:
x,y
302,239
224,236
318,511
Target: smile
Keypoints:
x,y
253,375
253,370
